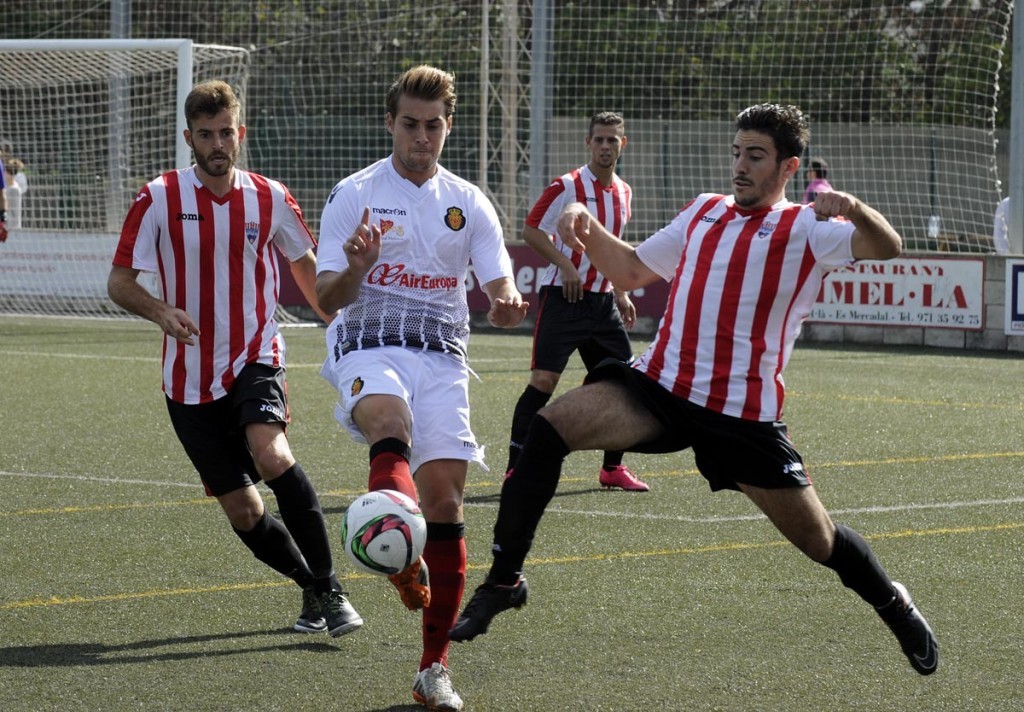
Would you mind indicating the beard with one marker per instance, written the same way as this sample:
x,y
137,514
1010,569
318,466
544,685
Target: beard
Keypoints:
x,y
204,162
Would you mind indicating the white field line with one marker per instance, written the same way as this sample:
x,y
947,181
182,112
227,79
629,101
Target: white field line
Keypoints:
x,y
877,509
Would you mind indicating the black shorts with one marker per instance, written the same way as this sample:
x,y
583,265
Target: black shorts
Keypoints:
x,y
213,434
592,326
727,450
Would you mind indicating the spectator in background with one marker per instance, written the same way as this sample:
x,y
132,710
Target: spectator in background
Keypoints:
x,y
1000,228
17,186
817,180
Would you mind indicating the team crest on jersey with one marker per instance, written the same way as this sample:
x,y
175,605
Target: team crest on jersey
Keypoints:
x,y
766,229
357,386
252,231
455,219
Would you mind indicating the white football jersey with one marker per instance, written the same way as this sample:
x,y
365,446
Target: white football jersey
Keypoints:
x,y
415,295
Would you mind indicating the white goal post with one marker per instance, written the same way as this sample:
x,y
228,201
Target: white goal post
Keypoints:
x,y
94,120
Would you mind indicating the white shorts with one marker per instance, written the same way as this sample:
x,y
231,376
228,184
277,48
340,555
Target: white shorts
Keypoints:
x,y
433,385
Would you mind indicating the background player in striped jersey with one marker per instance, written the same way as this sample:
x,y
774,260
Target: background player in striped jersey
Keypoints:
x,y
397,239
580,309
210,232
745,270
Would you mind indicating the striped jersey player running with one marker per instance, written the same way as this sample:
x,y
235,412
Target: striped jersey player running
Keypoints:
x,y
211,233
745,270
397,239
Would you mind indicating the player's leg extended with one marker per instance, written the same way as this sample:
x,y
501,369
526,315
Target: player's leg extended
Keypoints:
x,y
611,418
799,515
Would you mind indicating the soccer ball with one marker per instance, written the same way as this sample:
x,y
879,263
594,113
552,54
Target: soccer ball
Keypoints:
x,y
384,532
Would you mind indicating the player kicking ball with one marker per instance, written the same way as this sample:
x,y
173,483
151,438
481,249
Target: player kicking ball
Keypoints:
x,y
746,269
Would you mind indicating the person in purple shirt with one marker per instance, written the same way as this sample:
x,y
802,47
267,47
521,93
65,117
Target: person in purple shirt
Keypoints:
x,y
817,180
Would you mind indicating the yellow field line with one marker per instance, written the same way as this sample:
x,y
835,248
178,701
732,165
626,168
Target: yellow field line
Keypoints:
x,y
470,486
682,551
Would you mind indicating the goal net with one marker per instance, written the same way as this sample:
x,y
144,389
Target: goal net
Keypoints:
x,y
903,98
95,120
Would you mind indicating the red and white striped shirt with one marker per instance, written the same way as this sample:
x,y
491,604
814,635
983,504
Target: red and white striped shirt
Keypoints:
x,y
742,284
213,260
611,206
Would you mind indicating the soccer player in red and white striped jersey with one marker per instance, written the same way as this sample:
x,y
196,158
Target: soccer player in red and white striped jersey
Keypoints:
x,y
580,309
211,233
745,269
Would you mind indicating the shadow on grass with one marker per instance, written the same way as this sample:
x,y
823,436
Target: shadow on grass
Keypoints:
x,y
146,651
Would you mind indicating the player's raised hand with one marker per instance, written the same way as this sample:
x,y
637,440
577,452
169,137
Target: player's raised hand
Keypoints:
x,y
834,204
363,248
574,226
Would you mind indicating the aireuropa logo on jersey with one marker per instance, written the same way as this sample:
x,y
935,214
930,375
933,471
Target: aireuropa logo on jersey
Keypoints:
x,y
1014,324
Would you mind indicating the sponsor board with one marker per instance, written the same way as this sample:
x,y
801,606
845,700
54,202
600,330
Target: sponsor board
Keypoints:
x,y
938,292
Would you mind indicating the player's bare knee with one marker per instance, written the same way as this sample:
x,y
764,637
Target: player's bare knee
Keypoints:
x,y
442,508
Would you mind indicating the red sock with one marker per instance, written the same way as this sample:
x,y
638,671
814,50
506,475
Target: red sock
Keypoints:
x,y
446,559
391,471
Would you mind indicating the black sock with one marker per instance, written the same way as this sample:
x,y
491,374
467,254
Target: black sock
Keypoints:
x,y
392,445
612,459
270,542
302,514
858,568
529,403
524,498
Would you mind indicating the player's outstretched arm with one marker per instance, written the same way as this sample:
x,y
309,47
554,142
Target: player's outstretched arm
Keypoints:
x,y
124,290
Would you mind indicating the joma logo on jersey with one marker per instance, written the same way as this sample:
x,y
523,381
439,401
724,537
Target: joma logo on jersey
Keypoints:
x,y
189,217
455,219
252,231
268,408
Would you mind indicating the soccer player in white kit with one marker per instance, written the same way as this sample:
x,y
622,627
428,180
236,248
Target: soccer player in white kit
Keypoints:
x,y
745,270
211,232
396,242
